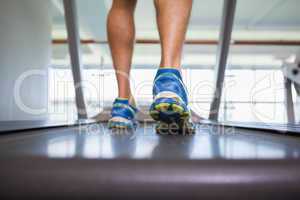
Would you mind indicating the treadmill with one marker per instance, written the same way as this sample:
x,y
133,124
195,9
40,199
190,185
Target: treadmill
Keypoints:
x,y
85,160
89,161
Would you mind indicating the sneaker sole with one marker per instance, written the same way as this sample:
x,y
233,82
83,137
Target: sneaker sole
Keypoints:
x,y
175,112
178,121
120,125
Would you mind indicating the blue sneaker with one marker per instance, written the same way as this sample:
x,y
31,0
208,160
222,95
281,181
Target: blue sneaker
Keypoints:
x,y
122,115
170,97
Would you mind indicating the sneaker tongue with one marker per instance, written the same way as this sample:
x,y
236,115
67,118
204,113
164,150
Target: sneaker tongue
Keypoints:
x,y
169,70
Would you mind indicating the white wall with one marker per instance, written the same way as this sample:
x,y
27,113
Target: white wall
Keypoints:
x,y
25,44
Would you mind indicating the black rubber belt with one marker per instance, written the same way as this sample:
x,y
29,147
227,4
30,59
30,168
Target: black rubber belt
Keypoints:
x,y
43,178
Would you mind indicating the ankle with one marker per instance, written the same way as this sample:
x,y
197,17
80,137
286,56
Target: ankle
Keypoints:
x,y
174,63
168,67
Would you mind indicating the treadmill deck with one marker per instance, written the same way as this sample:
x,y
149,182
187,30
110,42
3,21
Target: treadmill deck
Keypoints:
x,y
96,141
92,162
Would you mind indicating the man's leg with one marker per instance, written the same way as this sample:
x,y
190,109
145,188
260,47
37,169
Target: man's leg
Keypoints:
x,y
170,106
121,36
172,20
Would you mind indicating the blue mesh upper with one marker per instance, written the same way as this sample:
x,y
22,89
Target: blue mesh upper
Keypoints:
x,y
122,108
170,80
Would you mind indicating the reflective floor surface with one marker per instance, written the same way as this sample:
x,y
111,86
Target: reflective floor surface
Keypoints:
x,y
96,141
